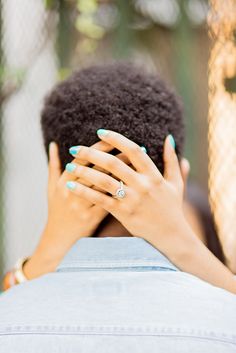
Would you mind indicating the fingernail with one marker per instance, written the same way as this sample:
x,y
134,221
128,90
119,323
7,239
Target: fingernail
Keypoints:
x,y
172,141
74,150
51,146
102,132
70,167
71,185
144,149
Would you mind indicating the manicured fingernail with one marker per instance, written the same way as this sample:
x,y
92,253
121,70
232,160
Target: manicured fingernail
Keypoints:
x,y
74,150
71,185
144,149
70,167
172,141
102,132
51,145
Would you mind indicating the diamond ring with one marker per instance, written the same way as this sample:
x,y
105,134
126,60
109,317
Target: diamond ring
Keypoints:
x,y
120,192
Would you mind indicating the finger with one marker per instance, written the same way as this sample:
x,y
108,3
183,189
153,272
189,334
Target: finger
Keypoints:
x,y
121,156
106,161
185,169
54,167
94,177
84,181
95,197
171,164
100,146
98,213
136,154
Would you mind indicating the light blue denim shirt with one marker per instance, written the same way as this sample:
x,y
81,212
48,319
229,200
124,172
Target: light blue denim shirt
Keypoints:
x,y
117,295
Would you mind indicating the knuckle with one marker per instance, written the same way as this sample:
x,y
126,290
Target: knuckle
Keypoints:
x,y
84,182
127,208
81,191
81,172
144,185
106,183
105,201
109,202
85,216
98,197
130,206
157,181
110,163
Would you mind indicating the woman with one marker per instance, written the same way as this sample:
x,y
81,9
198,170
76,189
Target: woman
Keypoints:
x,y
142,108
140,214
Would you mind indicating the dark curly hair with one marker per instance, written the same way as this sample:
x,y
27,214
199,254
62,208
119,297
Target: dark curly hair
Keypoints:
x,y
118,97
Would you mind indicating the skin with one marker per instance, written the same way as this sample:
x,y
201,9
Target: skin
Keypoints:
x,y
70,210
141,211
69,217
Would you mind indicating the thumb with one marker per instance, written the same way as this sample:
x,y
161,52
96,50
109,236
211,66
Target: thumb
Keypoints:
x,y
185,169
54,167
172,171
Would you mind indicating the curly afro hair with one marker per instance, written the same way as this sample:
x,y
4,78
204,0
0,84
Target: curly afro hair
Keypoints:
x,y
119,97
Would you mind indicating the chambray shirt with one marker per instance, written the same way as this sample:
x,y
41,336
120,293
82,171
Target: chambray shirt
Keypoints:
x,y
114,295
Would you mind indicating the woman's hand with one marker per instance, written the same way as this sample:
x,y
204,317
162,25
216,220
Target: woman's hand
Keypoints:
x,y
152,206
69,218
139,211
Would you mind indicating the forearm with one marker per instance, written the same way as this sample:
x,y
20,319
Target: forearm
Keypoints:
x,y
194,257
47,255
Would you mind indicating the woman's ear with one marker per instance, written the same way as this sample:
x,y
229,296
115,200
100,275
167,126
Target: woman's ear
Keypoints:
x,y
185,170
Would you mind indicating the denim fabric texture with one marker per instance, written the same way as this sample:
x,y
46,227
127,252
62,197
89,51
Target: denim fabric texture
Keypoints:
x,y
117,295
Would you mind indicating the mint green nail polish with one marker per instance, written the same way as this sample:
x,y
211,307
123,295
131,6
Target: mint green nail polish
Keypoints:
x,y
144,149
172,141
102,132
70,167
71,185
74,150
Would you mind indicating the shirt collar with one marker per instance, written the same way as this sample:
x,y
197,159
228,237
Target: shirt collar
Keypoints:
x,y
113,253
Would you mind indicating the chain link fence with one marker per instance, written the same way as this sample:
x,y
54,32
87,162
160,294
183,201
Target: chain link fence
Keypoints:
x,y
222,123
28,69
41,41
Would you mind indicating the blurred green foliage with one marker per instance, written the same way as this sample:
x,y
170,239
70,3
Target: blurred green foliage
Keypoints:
x,y
1,161
230,84
169,32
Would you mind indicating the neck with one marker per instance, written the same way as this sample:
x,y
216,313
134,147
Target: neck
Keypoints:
x,y
112,228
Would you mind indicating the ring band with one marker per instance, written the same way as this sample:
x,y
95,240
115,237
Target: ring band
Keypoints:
x,y
120,192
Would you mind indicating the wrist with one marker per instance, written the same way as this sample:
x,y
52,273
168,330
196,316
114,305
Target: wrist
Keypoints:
x,y
176,241
39,264
190,255
46,257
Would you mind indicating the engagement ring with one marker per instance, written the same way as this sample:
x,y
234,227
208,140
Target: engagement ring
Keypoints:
x,y
120,193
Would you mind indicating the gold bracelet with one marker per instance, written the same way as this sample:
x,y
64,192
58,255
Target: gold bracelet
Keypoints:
x,y
18,270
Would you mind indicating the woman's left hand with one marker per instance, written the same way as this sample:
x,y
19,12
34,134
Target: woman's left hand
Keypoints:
x,y
152,205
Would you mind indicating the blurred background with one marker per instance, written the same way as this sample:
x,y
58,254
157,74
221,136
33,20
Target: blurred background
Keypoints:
x,y
41,42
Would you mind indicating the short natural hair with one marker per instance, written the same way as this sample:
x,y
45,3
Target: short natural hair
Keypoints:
x,y
119,97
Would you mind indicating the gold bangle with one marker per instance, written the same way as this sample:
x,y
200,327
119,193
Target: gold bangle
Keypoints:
x,y
18,270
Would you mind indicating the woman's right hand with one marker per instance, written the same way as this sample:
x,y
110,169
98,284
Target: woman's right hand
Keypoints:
x,y
69,218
